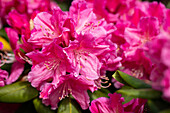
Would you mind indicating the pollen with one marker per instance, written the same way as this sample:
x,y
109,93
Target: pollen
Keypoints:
x,y
47,66
50,65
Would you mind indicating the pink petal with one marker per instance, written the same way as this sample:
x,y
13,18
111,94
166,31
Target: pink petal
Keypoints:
x,y
106,105
16,71
149,26
13,37
3,77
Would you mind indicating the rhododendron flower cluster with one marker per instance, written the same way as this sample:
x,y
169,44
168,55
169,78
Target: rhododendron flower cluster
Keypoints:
x,y
70,53
71,49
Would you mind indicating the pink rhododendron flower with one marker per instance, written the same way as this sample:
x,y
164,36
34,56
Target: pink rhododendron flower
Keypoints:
x,y
135,61
136,16
158,51
77,6
144,32
111,10
42,33
47,27
17,21
20,19
83,53
87,21
49,75
143,9
118,34
69,84
133,32
159,8
24,6
40,5
166,24
135,106
48,64
20,26
5,7
154,52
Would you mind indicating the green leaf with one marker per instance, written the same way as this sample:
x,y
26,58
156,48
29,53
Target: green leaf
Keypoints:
x,y
117,76
99,93
63,6
18,92
127,97
157,105
152,106
130,80
3,34
68,106
168,5
7,67
141,93
40,107
165,111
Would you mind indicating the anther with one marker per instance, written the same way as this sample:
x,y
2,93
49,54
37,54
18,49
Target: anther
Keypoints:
x,y
106,86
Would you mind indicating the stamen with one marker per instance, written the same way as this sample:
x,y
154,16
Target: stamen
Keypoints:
x,y
104,77
59,98
25,58
3,63
106,86
98,84
6,58
104,82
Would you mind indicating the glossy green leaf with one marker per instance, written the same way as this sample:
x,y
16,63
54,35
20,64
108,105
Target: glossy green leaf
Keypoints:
x,y
130,80
40,107
127,98
99,93
117,76
141,93
17,93
68,106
